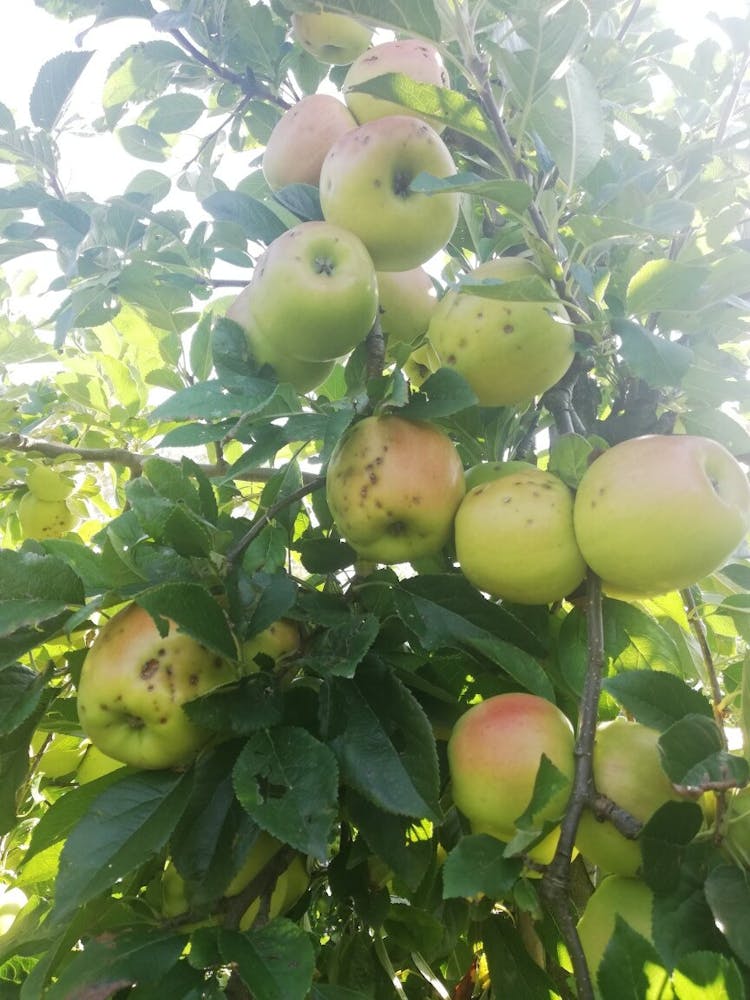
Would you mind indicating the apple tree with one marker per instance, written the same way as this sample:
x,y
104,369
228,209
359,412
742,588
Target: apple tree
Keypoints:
x,y
373,504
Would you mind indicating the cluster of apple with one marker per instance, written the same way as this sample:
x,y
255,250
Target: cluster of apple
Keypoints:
x,y
44,511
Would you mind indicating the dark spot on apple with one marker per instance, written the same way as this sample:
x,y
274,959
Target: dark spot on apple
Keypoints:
x,y
149,668
150,687
377,183
218,662
118,698
602,490
379,504
135,722
478,490
162,652
463,342
193,680
508,328
163,720
373,478
104,708
396,528
480,314
363,492
451,359
535,493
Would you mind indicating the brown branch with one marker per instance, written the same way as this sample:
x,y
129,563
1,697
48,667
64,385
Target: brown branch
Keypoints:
x,y
629,18
375,347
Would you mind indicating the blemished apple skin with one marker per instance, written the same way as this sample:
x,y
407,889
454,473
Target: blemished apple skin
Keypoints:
x,y
486,472
301,138
508,351
132,687
659,512
393,486
332,38
515,540
494,753
616,895
42,519
627,769
364,185
411,56
406,302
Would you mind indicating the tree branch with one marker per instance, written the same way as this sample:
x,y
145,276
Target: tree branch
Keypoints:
x,y
629,18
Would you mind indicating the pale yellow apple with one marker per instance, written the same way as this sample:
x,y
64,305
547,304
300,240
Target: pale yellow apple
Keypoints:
x,y
12,901
485,472
42,519
406,301
332,38
301,138
48,484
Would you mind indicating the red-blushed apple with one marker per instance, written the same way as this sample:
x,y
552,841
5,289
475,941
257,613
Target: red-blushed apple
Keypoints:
x,y
515,539
364,187
280,639
133,685
494,754
393,486
41,519
659,513
486,472
48,484
507,350
332,38
411,56
314,293
301,138
627,769
406,301
615,896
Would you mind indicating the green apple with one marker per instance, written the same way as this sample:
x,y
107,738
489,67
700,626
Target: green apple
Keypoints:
x,y
486,472
411,56
507,350
627,769
132,687
332,38
364,187
301,138
659,513
12,901
406,301
616,896
515,539
95,764
314,293
42,519
494,754
280,639
393,486
48,484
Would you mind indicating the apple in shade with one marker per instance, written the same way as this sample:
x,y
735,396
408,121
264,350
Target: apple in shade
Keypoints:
x,y
494,754
515,539
411,56
48,484
507,350
615,896
280,639
332,38
393,486
314,293
133,685
364,187
406,301
301,138
486,472
627,769
659,512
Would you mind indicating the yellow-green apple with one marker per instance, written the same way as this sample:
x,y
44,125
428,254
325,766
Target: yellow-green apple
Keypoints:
x,y
627,769
42,519
12,901
280,639
290,886
486,472
659,512
314,294
393,486
332,38
616,896
96,764
420,364
48,484
301,138
133,685
364,187
507,350
406,301
494,754
515,539
411,56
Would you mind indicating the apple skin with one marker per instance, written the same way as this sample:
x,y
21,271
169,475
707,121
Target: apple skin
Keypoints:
x,y
486,472
627,769
42,519
314,293
659,513
332,38
12,901
301,138
393,486
48,484
406,302
410,56
95,764
515,540
494,753
133,685
508,351
277,641
364,184
616,895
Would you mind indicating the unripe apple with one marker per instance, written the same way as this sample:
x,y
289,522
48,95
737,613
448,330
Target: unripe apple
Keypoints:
x,y
42,519
331,38
406,301
48,484
96,764
486,472
133,685
364,187
494,753
410,56
616,896
627,769
507,350
301,138
393,486
659,513
12,901
314,293
515,539
277,641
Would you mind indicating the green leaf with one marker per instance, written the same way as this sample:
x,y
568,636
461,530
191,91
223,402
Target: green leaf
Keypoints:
x,y
256,220
210,401
338,650
630,968
705,975
194,610
663,841
693,755
388,836
721,427
141,71
728,893
275,962
513,971
658,361
172,113
239,710
301,199
444,393
53,87
666,284
10,249
569,458
21,691
29,575
516,195
143,143
478,865
655,698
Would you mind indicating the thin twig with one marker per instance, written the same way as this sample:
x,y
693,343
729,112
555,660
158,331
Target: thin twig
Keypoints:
x,y
698,628
630,17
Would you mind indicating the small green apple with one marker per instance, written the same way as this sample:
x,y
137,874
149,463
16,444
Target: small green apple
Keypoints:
x,y
406,301
515,539
132,687
507,350
41,519
12,901
616,896
393,486
486,472
96,764
659,512
280,639
411,56
314,293
364,187
332,38
48,484
301,138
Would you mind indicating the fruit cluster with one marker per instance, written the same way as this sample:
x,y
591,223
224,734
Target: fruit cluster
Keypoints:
x,y
44,511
